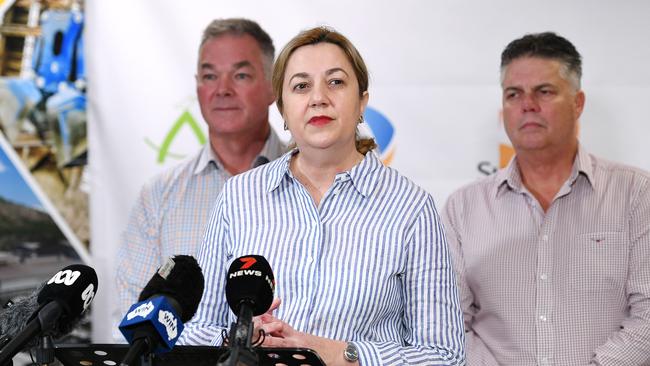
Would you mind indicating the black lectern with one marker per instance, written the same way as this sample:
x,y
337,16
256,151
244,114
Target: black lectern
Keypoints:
x,y
112,354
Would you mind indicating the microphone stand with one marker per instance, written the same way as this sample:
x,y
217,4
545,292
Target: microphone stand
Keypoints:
x,y
4,339
45,320
45,351
141,349
3,342
241,332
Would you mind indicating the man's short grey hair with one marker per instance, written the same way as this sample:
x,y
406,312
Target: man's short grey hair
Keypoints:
x,y
240,27
546,45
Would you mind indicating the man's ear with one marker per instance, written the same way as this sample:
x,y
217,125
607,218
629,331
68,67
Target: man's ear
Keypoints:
x,y
579,103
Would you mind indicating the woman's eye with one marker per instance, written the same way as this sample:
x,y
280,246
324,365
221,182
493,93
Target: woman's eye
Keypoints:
x,y
300,86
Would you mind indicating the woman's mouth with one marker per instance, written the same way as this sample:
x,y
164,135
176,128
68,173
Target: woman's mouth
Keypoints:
x,y
320,120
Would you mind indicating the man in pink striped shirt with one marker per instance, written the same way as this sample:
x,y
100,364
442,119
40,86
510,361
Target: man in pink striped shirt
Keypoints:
x,y
553,252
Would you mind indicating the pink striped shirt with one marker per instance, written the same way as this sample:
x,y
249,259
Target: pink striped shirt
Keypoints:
x,y
567,287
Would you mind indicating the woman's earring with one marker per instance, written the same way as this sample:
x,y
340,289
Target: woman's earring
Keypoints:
x,y
361,119
286,128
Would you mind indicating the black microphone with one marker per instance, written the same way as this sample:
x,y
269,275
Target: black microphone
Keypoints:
x,y
153,325
61,303
250,286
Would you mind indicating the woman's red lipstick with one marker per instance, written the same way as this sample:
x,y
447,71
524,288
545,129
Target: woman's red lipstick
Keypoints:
x,y
320,120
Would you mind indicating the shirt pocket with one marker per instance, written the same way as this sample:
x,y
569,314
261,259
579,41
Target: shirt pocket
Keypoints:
x,y
603,257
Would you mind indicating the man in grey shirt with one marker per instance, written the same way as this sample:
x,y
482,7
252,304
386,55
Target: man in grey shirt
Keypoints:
x,y
233,86
553,252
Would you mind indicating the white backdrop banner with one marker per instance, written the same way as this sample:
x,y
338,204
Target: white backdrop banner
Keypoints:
x,y
434,88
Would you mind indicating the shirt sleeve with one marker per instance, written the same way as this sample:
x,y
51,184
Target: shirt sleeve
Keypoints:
x,y
631,344
432,315
211,318
477,351
138,256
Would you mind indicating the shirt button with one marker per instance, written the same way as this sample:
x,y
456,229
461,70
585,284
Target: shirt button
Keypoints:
x,y
543,276
542,318
545,237
544,361
310,259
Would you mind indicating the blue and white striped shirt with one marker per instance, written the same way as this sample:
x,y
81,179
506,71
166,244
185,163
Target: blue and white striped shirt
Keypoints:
x,y
369,265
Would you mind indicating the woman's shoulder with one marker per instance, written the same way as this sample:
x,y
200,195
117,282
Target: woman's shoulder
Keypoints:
x,y
393,177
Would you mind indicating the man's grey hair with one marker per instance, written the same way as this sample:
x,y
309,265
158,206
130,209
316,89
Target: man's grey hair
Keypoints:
x,y
546,45
240,27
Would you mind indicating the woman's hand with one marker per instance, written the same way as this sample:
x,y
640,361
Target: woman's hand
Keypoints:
x,y
280,334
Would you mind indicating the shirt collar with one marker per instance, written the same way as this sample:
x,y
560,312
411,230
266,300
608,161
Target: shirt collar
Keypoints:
x,y
273,148
364,176
510,176
206,157
583,165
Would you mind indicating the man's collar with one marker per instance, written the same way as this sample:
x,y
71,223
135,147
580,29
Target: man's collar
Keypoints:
x,y
273,148
584,165
510,176
207,157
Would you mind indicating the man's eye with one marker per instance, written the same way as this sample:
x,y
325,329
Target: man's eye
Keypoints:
x,y
208,77
242,76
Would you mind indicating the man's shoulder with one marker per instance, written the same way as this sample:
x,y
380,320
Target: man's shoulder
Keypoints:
x,y
478,187
620,170
171,176
260,175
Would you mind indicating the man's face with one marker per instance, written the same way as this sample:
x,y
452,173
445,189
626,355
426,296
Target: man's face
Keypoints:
x,y
233,91
540,107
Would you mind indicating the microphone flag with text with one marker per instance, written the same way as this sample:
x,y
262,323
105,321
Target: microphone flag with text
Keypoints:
x,y
61,304
170,298
250,287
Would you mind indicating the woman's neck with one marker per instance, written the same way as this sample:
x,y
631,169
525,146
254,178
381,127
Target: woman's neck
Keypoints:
x,y
316,171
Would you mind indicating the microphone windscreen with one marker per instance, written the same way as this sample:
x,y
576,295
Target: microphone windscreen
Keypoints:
x,y
73,288
250,279
14,318
180,279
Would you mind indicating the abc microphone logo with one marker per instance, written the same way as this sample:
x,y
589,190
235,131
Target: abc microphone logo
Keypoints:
x,y
88,295
66,277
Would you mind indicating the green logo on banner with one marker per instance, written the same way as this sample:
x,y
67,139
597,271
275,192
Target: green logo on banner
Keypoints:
x,y
163,150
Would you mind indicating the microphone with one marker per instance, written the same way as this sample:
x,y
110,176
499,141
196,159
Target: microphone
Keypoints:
x,y
250,286
170,298
15,316
60,305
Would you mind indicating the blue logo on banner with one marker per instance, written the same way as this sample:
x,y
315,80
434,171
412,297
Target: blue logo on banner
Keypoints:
x,y
383,131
